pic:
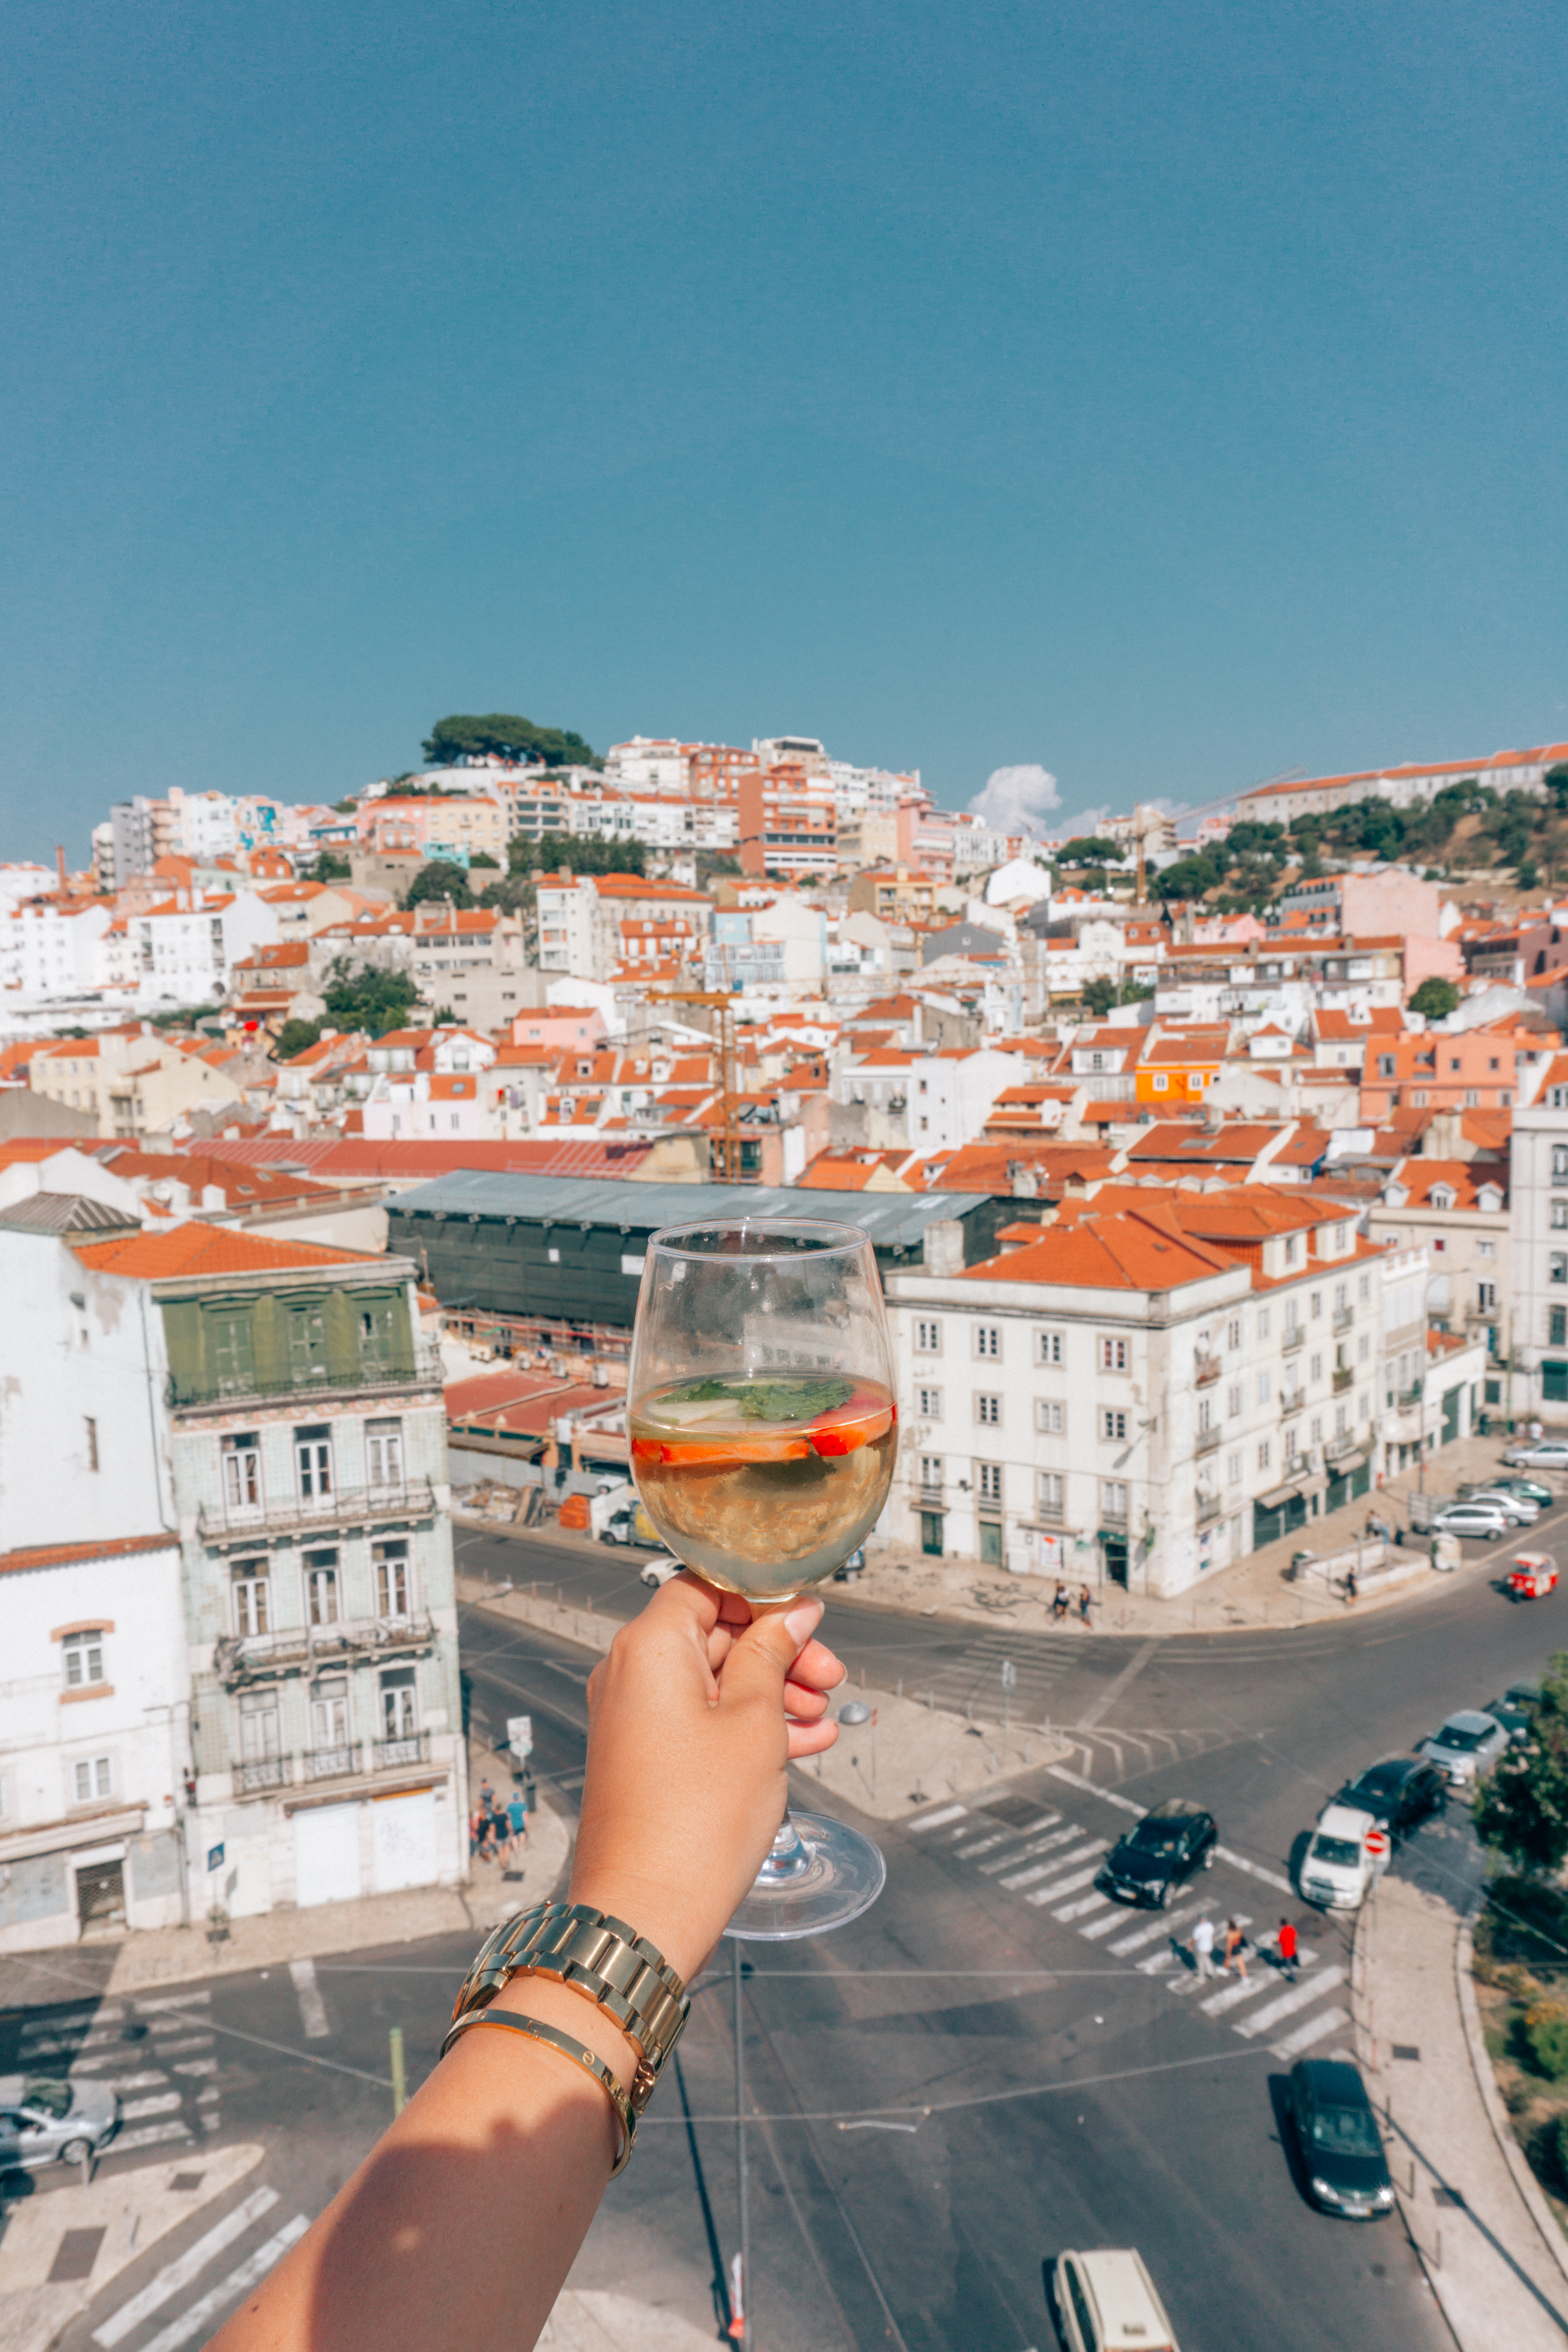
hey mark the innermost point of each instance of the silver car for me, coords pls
(1466, 1746)
(1546, 1454)
(43, 2119)
(1518, 1506)
(1484, 1520)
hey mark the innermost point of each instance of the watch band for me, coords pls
(537, 2031)
(599, 1956)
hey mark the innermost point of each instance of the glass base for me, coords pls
(818, 1875)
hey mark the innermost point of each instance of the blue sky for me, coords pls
(1168, 394)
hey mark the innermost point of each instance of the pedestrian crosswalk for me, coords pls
(154, 2052)
(197, 2317)
(1051, 1863)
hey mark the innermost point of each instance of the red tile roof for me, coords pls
(190, 1250)
(63, 1555)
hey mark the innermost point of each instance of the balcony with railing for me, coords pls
(1295, 1337)
(1207, 1372)
(1208, 1508)
(261, 1773)
(333, 1763)
(343, 1759)
(300, 1514)
(1344, 1374)
(413, 1747)
(239, 1658)
(1338, 1447)
(1292, 1401)
(369, 1374)
(1343, 1317)
(1412, 1395)
(1208, 1439)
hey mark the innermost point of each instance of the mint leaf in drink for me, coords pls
(701, 1392)
(776, 1400)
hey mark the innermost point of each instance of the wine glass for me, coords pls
(763, 1431)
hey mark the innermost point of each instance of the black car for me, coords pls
(1515, 1710)
(1151, 1861)
(1342, 2147)
(1401, 1793)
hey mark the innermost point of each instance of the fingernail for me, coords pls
(803, 1621)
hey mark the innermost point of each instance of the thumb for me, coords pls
(759, 1665)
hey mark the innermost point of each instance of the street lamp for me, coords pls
(855, 1712)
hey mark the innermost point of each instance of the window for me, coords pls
(322, 1588)
(1265, 1388)
(1263, 1453)
(229, 1348)
(1560, 1163)
(329, 1716)
(1113, 1499)
(1114, 1427)
(241, 1465)
(1486, 1249)
(92, 1777)
(1559, 1216)
(1472, 1097)
(307, 1344)
(399, 1705)
(89, 1433)
(249, 1583)
(1160, 1084)
(989, 1479)
(987, 1339)
(1263, 1322)
(1292, 1248)
(81, 1660)
(313, 1461)
(1557, 1327)
(1113, 1355)
(1386, 1066)
(1233, 1469)
(1439, 1244)
(384, 1454)
(1364, 1348)
(931, 1469)
(928, 1338)
(1315, 1369)
(1557, 1267)
(988, 1412)
(1206, 1414)
(378, 1323)
(929, 1403)
(1233, 1332)
(1364, 1290)
(1342, 1420)
(1047, 1347)
(1050, 1493)
(1050, 1418)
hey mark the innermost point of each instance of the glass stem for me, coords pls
(785, 1859)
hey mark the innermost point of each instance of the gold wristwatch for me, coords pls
(599, 1956)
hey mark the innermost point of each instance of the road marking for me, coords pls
(312, 2007)
(196, 2066)
(987, 1844)
(1307, 1992)
(124, 2083)
(1036, 1845)
(1098, 1928)
(1108, 1796)
(181, 2271)
(162, 2105)
(935, 1821)
(1085, 1904)
(238, 2281)
(1233, 1996)
(1254, 1870)
(1058, 1861)
(1317, 2029)
(1117, 1684)
(153, 2004)
(1062, 1886)
(1163, 1924)
(146, 2136)
(178, 2048)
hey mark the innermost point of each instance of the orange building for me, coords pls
(1429, 1069)
(1180, 1066)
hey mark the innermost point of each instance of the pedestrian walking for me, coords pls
(1203, 1947)
(517, 1814)
(1235, 1951)
(501, 1829)
(1061, 1604)
(1083, 1606)
(1285, 1944)
(1352, 1588)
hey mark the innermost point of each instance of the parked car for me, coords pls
(659, 1569)
(851, 1570)
(1104, 2301)
(1337, 1870)
(1150, 1862)
(1468, 1743)
(1513, 1710)
(1546, 1454)
(1337, 2133)
(1399, 1791)
(1530, 1490)
(1486, 1522)
(1519, 1507)
(43, 2120)
(624, 1521)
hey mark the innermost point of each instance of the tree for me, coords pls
(1084, 850)
(1522, 1809)
(579, 853)
(438, 879)
(1189, 878)
(294, 1037)
(502, 735)
(1556, 781)
(483, 857)
(368, 998)
(1099, 995)
(1435, 998)
(330, 867)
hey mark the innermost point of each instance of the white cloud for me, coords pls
(1015, 800)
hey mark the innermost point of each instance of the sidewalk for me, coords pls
(91, 2234)
(1491, 2247)
(1252, 1592)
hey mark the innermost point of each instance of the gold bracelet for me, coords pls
(599, 1956)
(554, 2039)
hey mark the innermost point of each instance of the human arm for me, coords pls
(687, 1744)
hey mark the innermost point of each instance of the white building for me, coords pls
(206, 823)
(53, 949)
(94, 1738)
(929, 1102)
(1538, 1251)
(650, 764)
(185, 948)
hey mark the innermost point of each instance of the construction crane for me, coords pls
(725, 1147)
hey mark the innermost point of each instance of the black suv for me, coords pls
(1342, 2147)
(1400, 1792)
(1150, 1862)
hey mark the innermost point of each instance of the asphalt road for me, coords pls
(963, 2083)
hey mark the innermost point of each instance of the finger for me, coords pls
(804, 1705)
(721, 1642)
(811, 1739)
(764, 1653)
(816, 1665)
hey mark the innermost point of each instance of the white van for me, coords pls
(1338, 1870)
(1104, 2301)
